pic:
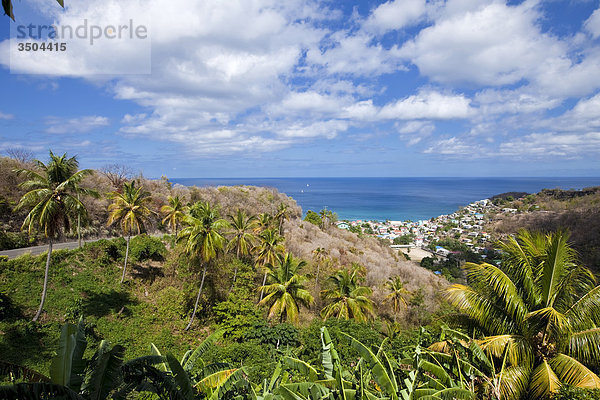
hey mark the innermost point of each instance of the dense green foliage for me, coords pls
(149, 309)
(152, 309)
(572, 393)
(405, 239)
(144, 248)
(313, 218)
(12, 240)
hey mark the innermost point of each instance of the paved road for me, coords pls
(36, 250)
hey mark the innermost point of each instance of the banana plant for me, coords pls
(464, 357)
(328, 381)
(104, 376)
(438, 375)
(319, 383)
(192, 375)
(68, 366)
(379, 366)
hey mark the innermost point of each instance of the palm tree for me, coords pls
(264, 221)
(268, 252)
(328, 217)
(286, 290)
(52, 195)
(320, 254)
(283, 214)
(324, 218)
(539, 312)
(347, 299)
(397, 294)
(203, 240)
(174, 213)
(129, 210)
(242, 240)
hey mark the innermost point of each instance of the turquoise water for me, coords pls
(394, 198)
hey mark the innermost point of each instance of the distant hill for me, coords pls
(509, 195)
(577, 211)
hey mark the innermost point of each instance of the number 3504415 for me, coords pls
(44, 46)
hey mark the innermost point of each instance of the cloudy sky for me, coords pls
(268, 88)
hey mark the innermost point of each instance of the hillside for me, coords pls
(381, 262)
(157, 298)
(577, 211)
(253, 200)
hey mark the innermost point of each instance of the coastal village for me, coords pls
(466, 226)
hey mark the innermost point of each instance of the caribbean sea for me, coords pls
(396, 199)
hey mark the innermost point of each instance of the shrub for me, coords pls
(75, 310)
(313, 218)
(144, 247)
(405, 239)
(355, 229)
(280, 335)
(12, 240)
(7, 308)
(236, 316)
(428, 263)
(171, 303)
(259, 357)
(423, 336)
(572, 393)
(104, 251)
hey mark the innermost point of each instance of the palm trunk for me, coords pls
(39, 311)
(78, 225)
(317, 277)
(79, 231)
(126, 256)
(234, 278)
(189, 325)
(262, 291)
(237, 253)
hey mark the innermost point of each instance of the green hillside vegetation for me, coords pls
(227, 293)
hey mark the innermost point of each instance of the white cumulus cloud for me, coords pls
(592, 24)
(567, 145)
(428, 104)
(395, 14)
(75, 125)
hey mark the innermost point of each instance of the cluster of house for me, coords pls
(465, 225)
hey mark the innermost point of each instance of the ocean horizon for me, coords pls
(396, 199)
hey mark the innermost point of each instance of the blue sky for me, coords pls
(265, 88)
